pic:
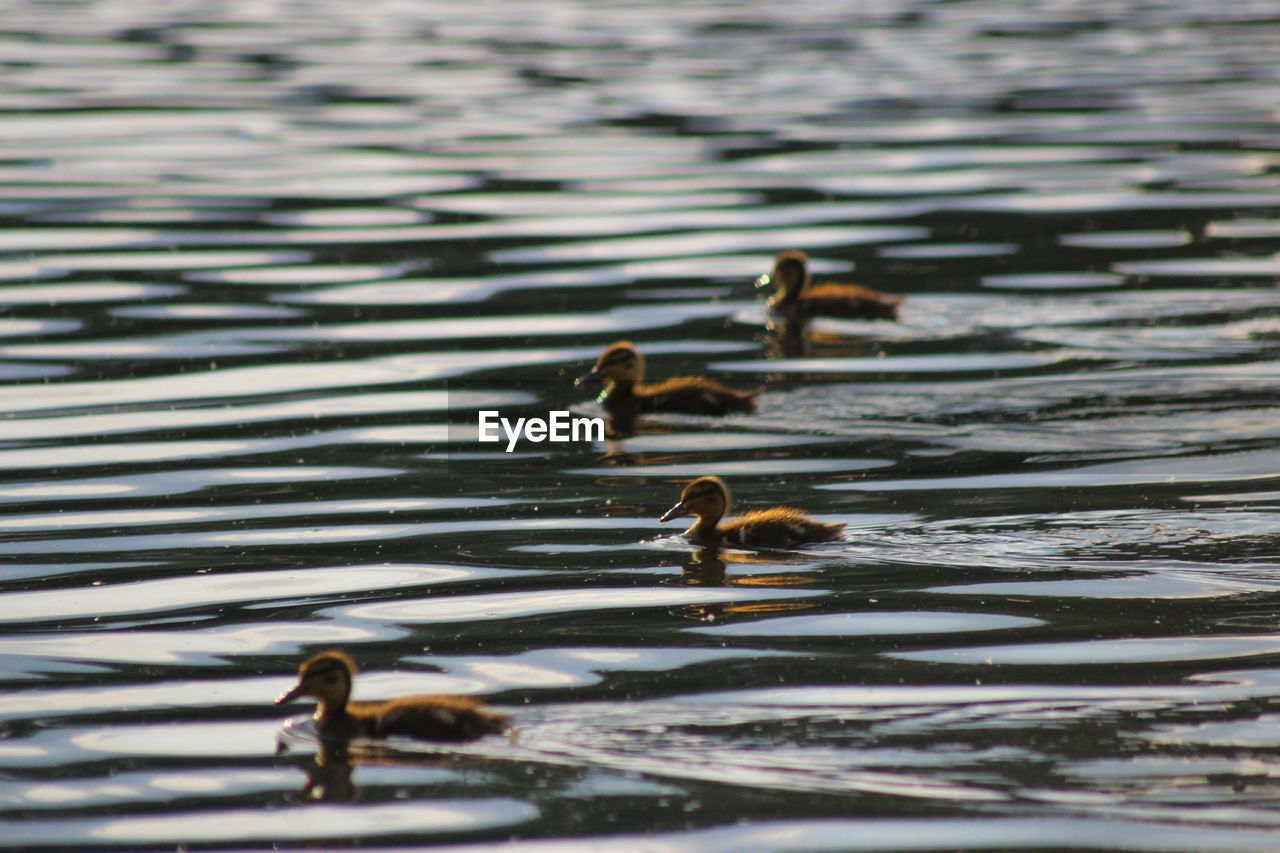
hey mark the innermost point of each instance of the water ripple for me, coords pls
(263, 268)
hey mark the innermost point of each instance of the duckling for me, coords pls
(797, 299)
(779, 527)
(626, 394)
(327, 676)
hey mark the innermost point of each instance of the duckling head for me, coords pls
(706, 497)
(327, 677)
(790, 275)
(620, 364)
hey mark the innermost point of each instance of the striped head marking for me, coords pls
(791, 272)
(621, 363)
(705, 497)
(326, 676)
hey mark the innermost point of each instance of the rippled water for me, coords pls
(263, 264)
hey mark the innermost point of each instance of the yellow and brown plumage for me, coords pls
(778, 527)
(626, 394)
(796, 298)
(328, 676)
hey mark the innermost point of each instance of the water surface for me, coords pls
(262, 267)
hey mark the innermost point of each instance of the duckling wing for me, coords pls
(695, 395)
(443, 718)
(852, 300)
(779, 527)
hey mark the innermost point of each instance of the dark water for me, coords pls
(264, 263)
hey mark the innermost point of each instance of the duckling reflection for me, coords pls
(704, 568)
(716, 612)
(329, 776)
(795, 339)
(710, 567)
(785, 339)
(328, 677)
(797, 298)
(626, 394)
(778, 527)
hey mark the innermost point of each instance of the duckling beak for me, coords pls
(591, 377)
(290, 695)
(764, 280)
(675, 512)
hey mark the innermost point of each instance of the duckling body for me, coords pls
(621, 368)
(692, 395)
(778, 527)
(798, 299)
(328, 676)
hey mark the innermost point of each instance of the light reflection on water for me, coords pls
(262, 270)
